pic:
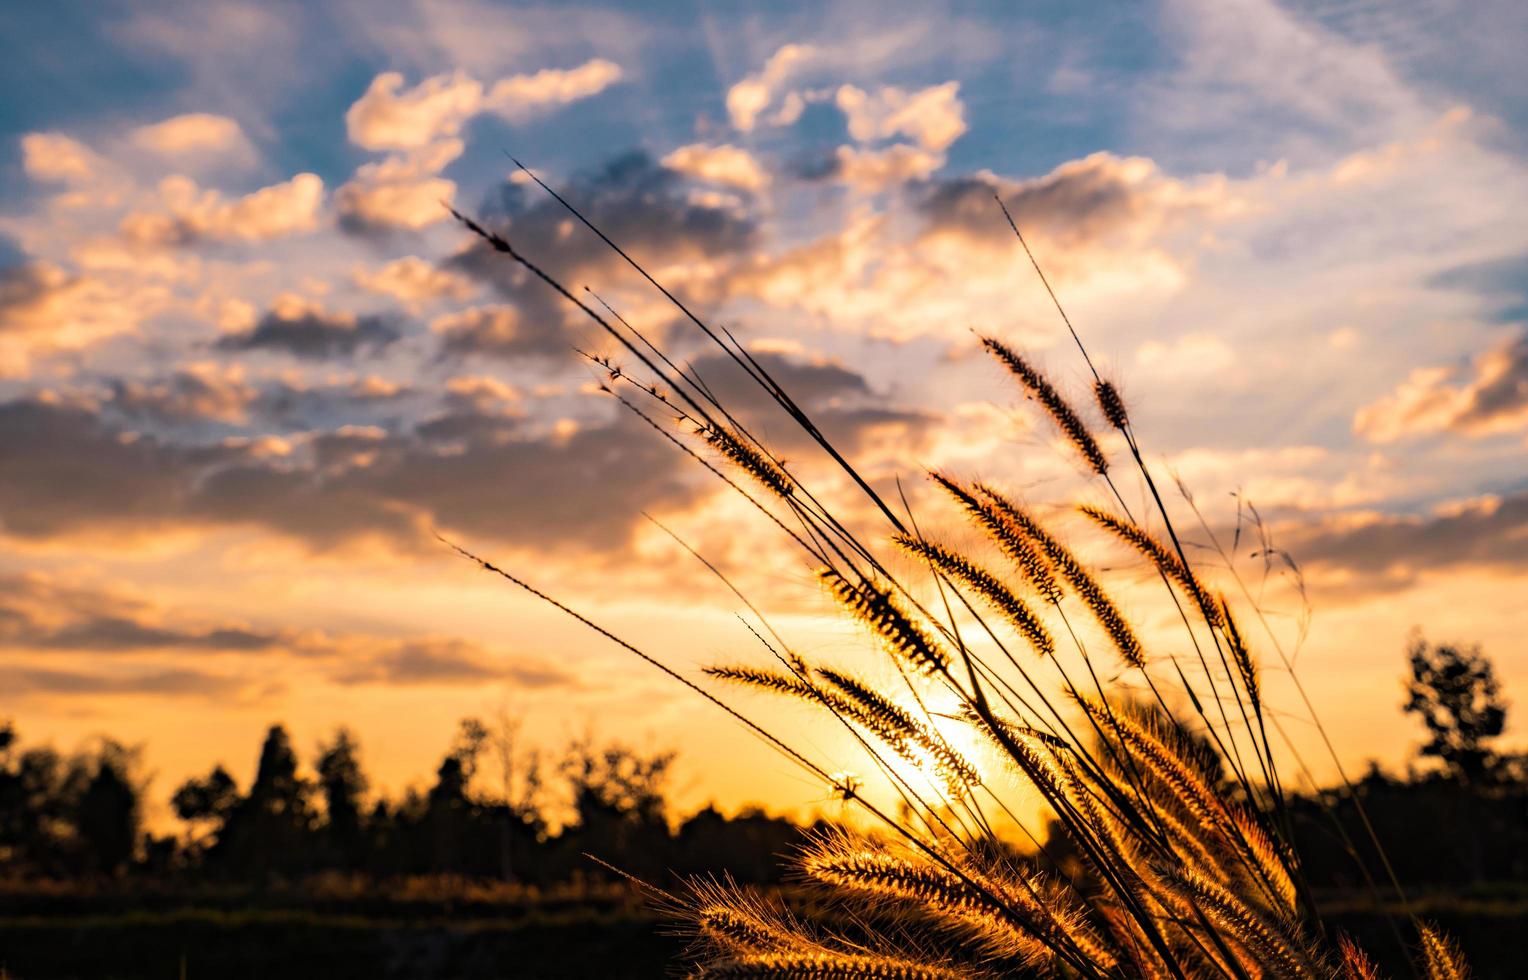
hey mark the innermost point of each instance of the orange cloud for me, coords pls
(725, 164)
(390, 117)
(1491, 400)
(413, 282)
(58, 158)
(934, 117)
(193, 133)
(191, 213)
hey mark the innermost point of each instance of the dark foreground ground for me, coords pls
(59, 936)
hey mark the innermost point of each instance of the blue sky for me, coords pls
(247, 361)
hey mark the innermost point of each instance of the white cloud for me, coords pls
(873, 171)
(521, 97)
(413, 282)
(750, 97)
(287, 208)
(934, 117)
(1492, 399)
(46, 310)
(390, 117)
(58, 158)
(194, 134)
(723, 164)
(402, 190)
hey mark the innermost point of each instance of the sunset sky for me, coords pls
(248, 363)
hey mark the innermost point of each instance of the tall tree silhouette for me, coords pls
(107, 814)
(1454, 690)
(343, 784)
(272, 828)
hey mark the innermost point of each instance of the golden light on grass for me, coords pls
(1156, 766)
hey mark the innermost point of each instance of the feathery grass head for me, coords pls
(1166, 561)
(1008, 538)
(1070, 570)
(1004, 918)
(1111, 404)
(1062, 413)
(769, 680)
(1240, 655)
(904, 734)
(874, 606)
(1189, 881)
(768, 473)
(985, 584)
(1440, 956)
(824, 966)
(725, 919)
(1356, 964)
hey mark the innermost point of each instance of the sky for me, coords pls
(249, 365)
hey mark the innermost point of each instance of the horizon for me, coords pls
(248, 364)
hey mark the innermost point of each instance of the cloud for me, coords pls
(839, 400)
(57, 158)
(522, 97)
(192, 214)
(725, 164)
(400, 191)
(193, 392)
(873, 171)
(303, 330)
(194, 134)
(46, 310)
(1107, 226)
(1484, 531)
(390, 117)
(498, 331)
(474, 471)
(1078, 202)
(645, 207)
(933, 117)
(437, 660)
(1491, 398)
(754, 93)
(41, 612)
(414, 282)
(170, 683)
(48, 616)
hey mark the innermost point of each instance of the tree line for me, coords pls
(496, 811)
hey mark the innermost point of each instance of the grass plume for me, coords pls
(1185, 875)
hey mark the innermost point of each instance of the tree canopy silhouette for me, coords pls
(1455, 692)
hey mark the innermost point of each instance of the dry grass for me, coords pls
(1183, 873)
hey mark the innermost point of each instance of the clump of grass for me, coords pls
(1183, 873)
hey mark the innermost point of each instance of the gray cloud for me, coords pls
(643, 207)
(43, 616)
(447, 661)
(1085, 200)
(39, 680)
(1492, 397)
(838, 399)
(476, 473)
(39, 613)
(186, 395)
(1491, 532)
(313, 334)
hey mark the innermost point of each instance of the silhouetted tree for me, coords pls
(1455, 692)
(107, 813)
(271, 829)
(343, 784)
(618, 796)
(207, 800)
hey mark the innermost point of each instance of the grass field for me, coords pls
(62, 937)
